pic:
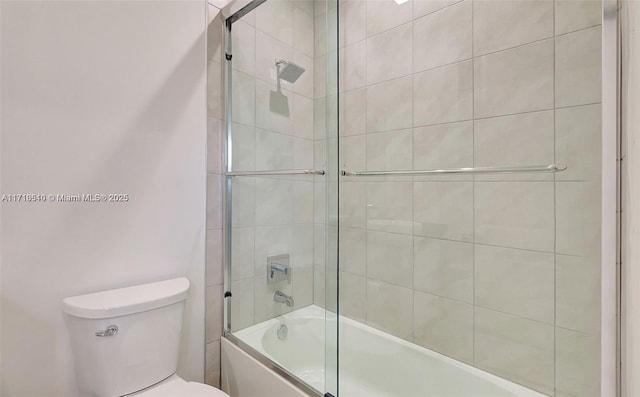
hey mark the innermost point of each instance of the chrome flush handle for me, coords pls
(109, 331)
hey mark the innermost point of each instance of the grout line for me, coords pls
(472, 119)
(412, 193)
(366, 165)
(555, 235)
(577, 30)
(255, 152)
(473, 199)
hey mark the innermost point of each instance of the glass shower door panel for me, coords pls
(470, 203)
(280, 266)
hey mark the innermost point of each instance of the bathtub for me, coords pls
(372, 363)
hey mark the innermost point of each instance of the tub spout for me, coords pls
(281, 297)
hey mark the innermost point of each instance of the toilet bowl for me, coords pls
(126, 341)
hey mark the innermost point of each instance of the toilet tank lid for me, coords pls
(129, 300)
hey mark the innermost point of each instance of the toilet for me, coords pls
(126, 341)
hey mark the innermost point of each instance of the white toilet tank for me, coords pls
(126, 339)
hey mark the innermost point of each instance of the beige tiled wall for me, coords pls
(501, 272)
(498, 271)
(214, 268)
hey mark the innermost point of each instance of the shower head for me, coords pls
(288, 71)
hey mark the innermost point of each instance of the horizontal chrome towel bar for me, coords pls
(275, 172)
(474, 170)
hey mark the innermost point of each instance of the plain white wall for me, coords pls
(631, 197)
(98, 97)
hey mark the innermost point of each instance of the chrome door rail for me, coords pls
(471, 170)
(275, 172)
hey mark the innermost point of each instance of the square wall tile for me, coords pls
(444, 268)
(214, 258)
(517, 215)
(320, 76)
(319, 244)
(244, 47)
(443, 37)
(320, 118)
(443, 95)
(242, 251)
(579, 68)
(242, 304)
(444, 325)
(389, 151)
(579, 142)
(243, 202)
(276, 19)
(303, 202)
(389, 54)
(386, 14)
(443, 210)
(578, 293)
(390, 258)
(443, 146)
(353, 204)
(353, 21)
(273, 150)
(501, 24)
(215, 103)
(214, 145)
(244, 147)
(353, 250)
(578, 218)
(390, 308)
(519, 140)
(353, 296)
(243, 98)
(572, 15)
(353, 112)
(353, 152)
(214, 201)
(319, 286)
(302, 287)
(274, 202)
(302, 241)
(353, 66)
(213, 313)
(320, 203)
(302, 153)
(303, 117)
(389, 105)
(390, 207)
(517, 80)
(303, 31)
(515, 348)
(515, 281)
(577, 364)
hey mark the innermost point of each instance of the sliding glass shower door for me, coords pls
(414, 195)
(470, 202)
(281, 188)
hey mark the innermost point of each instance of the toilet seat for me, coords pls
(175, 386)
